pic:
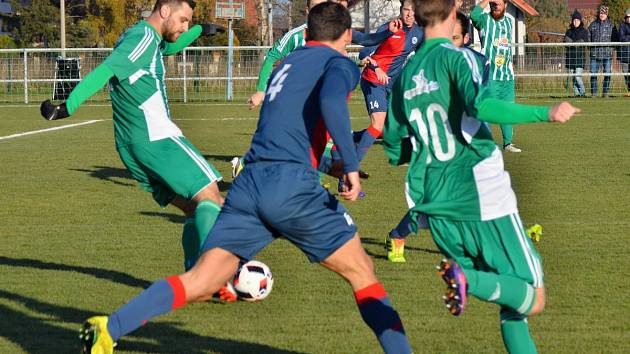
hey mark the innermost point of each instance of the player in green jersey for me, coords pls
(456, 181)
(496, 33)
(150, 145)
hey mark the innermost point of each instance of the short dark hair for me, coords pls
(431, 12)
(463, 21)
(403, 2)
(328, 21)
(160, 3)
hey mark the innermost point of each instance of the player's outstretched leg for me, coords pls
(209, 274)
(515, 332)
(505, 290)
(351, 262)
(395, 241)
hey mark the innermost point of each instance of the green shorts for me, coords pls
(168, 167)
(502, 90)
(498, 246)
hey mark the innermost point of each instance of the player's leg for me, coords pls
(509, 277)
(506, 93)
(353, 264)
(395, 240)
(214, 269)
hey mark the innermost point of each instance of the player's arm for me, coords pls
(479, 103)
(127, 59)
(186, 38)
(280, 49)
(477, 14)
(396, 137)
(381, 34)
(340, 79)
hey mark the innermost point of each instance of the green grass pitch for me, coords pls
(78, 237)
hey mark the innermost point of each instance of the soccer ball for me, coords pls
(253, 282)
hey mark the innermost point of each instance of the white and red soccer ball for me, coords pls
(253, 281)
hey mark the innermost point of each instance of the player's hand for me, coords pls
(52, 111)
(367, 61)
(352, 186)
(562, 112)
(395, 25)
(256, 99)
(210, 29)
(381, 76)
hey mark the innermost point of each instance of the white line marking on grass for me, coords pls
(49, 129)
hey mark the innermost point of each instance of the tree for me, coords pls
(38, 24)
(7, 42)
(616, 9)
(553, 17)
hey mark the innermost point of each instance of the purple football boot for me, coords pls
(453, 276)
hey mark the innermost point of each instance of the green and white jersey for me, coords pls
(281, 48)
(455, 168)
(496, 38)
(139, 99)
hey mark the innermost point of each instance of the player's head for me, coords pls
(406, 12)
(497, 9)
(331, 23)
(430, 13)
(460, 32)
(173, 16)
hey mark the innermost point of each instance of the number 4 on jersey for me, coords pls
(276, 84)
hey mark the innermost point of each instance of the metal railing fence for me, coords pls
(200, 74)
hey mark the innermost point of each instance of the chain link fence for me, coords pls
(200, 74)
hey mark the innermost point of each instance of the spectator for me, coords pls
(575, 55)
(601, 30)
(624, 51)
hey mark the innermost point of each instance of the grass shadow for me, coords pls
(36, 331)
(112, 275)
(108, 174)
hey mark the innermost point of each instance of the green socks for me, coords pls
(190, 243)
(515, 332)
(504, 290)
(196, 229)
(507, 132)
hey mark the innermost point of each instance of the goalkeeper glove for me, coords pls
(52, 111)
(210, 29)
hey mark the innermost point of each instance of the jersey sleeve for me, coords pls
(134, 51)
(477, 17)
(184, 40)
(90, 85)
(280, 49)
(339, 80)
(396, 141)
(371, 39)
(469, 69)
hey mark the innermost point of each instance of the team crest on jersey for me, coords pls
(422, 86)
(414, 40)
(499, 60)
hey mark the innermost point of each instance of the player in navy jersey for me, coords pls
(385, 63)
(278, 194)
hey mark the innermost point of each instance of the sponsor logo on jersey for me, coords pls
(397, 37)
(422, 86)
(501, 43)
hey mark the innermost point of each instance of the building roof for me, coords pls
(525, 7)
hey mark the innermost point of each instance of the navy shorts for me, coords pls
(271, 200)
(376, 96)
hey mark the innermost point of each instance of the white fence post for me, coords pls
(25, 76)
(185, 75)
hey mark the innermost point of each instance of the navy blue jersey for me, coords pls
(305, 105)
(392, 53)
